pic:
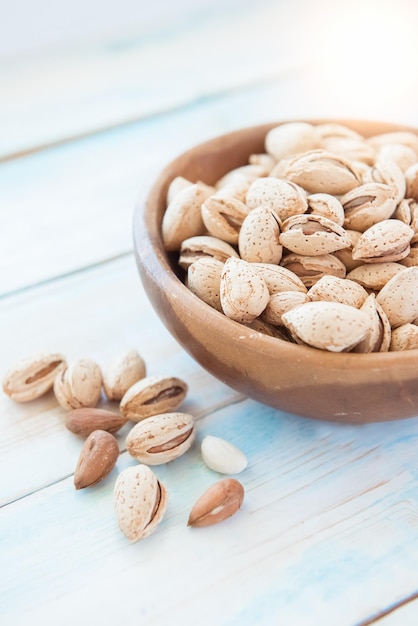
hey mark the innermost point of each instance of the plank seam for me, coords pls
(215, 94)
(211, 411)
(374, 619)
(74, 272)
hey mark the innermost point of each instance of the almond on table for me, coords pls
(222, 500)
(85, 420)
(32, 376)
(97, 459)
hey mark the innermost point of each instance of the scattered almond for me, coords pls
(140, 501)
(97, 459)
(161, 438)
(88, 419)
(78, 385)
(121, 373)
(32, 376)
(222, 456)
(153, 395)
(217, 503)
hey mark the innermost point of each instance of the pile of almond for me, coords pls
(314, 241)
(159, 434)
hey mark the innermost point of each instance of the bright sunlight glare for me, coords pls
(368, 56)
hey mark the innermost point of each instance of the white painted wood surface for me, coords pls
(328, 531)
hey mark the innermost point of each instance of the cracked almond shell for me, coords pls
(140, 502)
(153, 395)
(161, 438)
(32, 376)
(313, 235)
(320, 171)
(78, 385)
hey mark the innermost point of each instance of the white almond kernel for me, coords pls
(222, 456)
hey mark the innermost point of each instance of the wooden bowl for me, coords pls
(344, 387)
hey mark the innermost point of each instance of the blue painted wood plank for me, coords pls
(80, 196)
(93, 85)
(327, 533)
(98, 313)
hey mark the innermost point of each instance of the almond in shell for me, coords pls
(153, 395)
(387, 241)
(399, 297)
(329, 326)
(244, 293)
(140, 502)
(121, 373)
(404, 337)
(161, 438)
(32, 376)
(78, 385)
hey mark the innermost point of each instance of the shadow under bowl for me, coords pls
(344, 387)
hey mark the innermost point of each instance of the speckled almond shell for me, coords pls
(327, 325)
(204, 280)
(367, 205)
(152, 395)
(79, 385)
(122, 372)
(404, 337)
(319, 171)
(399, 297)
(223, 215)
(374, 275)
(258, 240)
(343, 387)
(244, 293)
(278, 278)
(204, 246)
(386, 241)
(313, 235)
(183, 217)
(282, 196)
(32, 376)
(140, 502)
(334, 289)
(161, 438)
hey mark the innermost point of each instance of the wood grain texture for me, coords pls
(47, 24)
(327, 534)
(72, 206)
(99, 314)
(118, 78)
(403, 614)
(153, 68)
(324, 505)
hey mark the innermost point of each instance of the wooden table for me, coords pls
(328, 532)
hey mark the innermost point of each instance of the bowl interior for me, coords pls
(298, 379)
